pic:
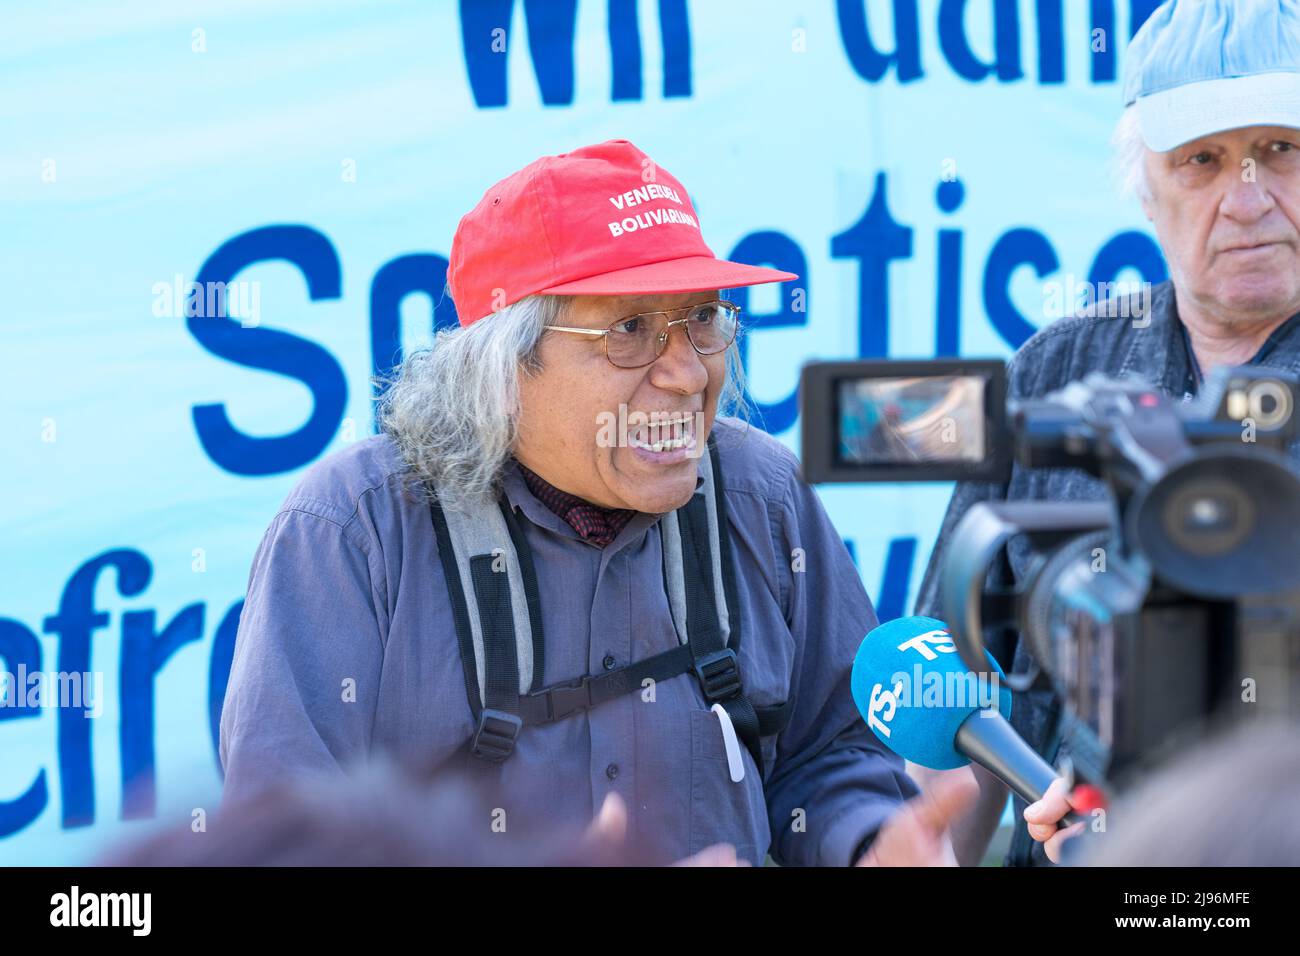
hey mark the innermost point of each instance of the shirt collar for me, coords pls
(1164, 345)
(521, 499)
(593, 522)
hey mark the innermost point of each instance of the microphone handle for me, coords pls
(994, 744)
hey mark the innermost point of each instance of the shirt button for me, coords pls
(609, 662)
(611, 771)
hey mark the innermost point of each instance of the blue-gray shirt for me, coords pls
(347, 591)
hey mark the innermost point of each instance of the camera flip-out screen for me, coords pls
(940, 420)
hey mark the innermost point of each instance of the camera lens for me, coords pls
(1223, 523)
(1270, 404)
(1209, 516)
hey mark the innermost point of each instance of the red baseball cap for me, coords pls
(601, 220)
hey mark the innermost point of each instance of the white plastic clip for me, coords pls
(735, 764)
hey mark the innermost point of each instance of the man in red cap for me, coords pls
(563, 565)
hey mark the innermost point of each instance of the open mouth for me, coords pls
(664, 433)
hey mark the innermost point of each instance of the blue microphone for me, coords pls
(921, 701)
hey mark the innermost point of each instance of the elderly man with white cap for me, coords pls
(1209, 142)
(560, 567)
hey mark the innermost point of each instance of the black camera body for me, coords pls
(1169, 606)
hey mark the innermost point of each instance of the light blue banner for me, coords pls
(937, 173)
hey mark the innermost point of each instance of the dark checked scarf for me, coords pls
(595, 524)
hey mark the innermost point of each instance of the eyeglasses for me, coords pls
(638, 340)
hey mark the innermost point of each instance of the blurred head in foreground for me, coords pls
(1232, 802)
(386, 816)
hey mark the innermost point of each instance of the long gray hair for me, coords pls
(1128, 160)
(453, 408)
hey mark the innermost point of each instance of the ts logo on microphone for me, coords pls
(883, 704)
(926, 644)
(886, 701)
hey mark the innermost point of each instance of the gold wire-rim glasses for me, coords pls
(661, 341)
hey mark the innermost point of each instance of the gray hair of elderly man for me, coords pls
(453, 408)
(1129, 157)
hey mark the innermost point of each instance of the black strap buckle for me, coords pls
(566, 699)
(719, 674)
(496, 735)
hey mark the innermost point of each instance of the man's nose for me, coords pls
(678, 367)
(1248, 199)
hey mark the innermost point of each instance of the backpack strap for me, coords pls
(700, 577)
(772, 719)
(715, 664)
(496, 634)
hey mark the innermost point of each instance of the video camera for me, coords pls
(1172, 601)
